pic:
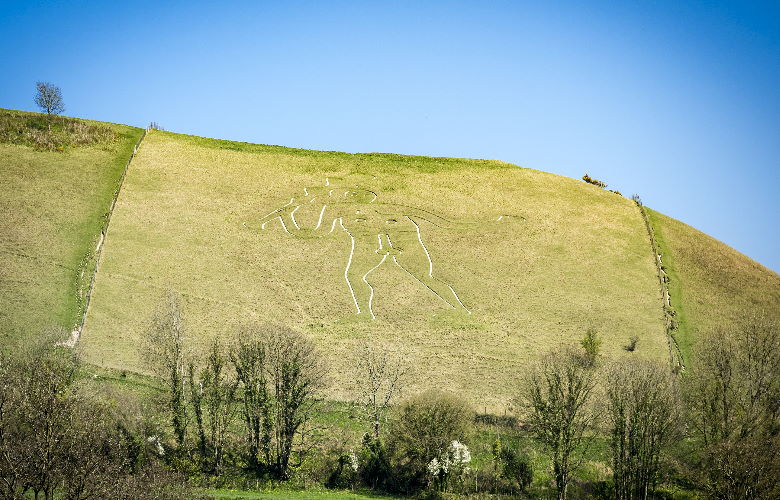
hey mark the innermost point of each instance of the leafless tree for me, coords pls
(48, 97)
(734, 403)
(557, 402)
(164, 349)
(379, 375)
(281, 376)
(644, 416)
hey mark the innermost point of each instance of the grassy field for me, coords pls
(571, 256)
(52, 208)
(711, 284)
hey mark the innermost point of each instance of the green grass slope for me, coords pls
(52, 208)
(711, 284)
(565, 256)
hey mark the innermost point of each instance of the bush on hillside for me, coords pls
(513, 466)
(595, 182)
(424, 428)
(591, 343)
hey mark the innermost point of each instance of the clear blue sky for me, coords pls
(676, 101)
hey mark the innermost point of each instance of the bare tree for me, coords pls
(281, 375)
(248, 356)
(164, 347)
(557, 400)
(379, 376)
(213, 396)
(734, 403)
(48, 97)
(644, 413)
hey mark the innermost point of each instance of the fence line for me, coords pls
(76, 333)
(675, 354)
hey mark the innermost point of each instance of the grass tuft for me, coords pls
(51, 132)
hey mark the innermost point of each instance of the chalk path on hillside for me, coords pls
(376, 231)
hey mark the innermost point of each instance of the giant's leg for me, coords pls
(363, 260)
(415, 259)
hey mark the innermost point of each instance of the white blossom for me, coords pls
(158, 447)
(353, 460)
(460, 454)
(434, 467)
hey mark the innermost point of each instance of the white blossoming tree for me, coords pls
(451, 463)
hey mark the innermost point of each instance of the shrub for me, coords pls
(592, 345)
(595, 182)
(374, 465)
(452, 463)
(513, 466)
(423, 428)
(632, 343)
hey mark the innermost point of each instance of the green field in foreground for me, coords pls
(52, 209)
(472, 268)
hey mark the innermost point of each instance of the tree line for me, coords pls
(251, 408)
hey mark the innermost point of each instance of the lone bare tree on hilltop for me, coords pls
(49, 98)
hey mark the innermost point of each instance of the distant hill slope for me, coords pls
(563, 257)
(52, 208)
(711, 284)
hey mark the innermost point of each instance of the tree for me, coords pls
(423, 428)
(281, 375)
(734, 404)
(58, 441)
(379, 377)
(165, 353)
(591, 343)
(557, 401)
(213, 396)
(48, 97)
(644, 411)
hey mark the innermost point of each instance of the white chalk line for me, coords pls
(319, 221)
(292, 216)
(419, 238)
(284, 226)
(349, 263)
(422, 282)
(430, 267)
(371, 297)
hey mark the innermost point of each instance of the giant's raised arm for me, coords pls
(418, 214)
(284, 214)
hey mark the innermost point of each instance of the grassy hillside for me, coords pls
(469, 268)
(563, 257)
(711, 284)
(52, 208)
